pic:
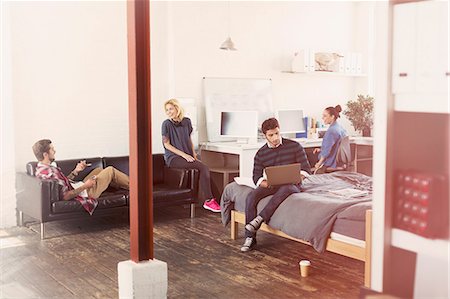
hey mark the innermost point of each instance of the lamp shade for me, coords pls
(228, 45)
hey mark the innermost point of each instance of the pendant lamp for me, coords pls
(228, 43)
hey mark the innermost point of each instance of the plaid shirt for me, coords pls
(54, 173)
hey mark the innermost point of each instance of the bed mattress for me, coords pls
(314, 213)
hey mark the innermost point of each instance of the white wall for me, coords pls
(7, 170)
(266, 35)
(381, 88)
(69, 63)
(64, 77)
(160, 56)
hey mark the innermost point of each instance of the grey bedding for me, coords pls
(308, 215)
(350, 228)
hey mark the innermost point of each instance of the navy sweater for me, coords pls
(289, 152)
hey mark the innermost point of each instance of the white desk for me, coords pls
(245, 153)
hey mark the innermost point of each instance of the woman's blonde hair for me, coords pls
(176, 104)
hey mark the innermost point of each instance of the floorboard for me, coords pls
(79, 260)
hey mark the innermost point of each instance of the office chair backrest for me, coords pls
(344, 154)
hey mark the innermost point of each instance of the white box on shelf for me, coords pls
(300, 62)
(359, 63)
(312, 60)
(327, 61)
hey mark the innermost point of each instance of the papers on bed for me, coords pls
(349, 192)
(245, 181)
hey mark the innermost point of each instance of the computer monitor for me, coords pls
(291, 121)
(242, 125)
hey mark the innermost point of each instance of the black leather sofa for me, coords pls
(41, 199)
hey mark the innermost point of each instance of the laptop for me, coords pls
(283, 174)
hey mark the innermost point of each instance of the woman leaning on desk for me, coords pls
(179, 149)
(331, 139)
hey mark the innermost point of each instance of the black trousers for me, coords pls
(254, 197)
(205, 177)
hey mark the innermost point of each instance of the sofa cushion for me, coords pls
(107, 200)
(158, 167)
(163, 192)
(121, 163)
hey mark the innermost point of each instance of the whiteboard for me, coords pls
(235, 94)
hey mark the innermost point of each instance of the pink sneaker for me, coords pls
(212, 205)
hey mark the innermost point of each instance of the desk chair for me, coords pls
(343, 157)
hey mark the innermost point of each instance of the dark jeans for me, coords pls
(279, 195)
(205, 178)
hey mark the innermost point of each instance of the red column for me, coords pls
(141, 199)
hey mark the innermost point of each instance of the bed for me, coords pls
(326, 214)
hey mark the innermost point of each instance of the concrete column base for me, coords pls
(146, 279)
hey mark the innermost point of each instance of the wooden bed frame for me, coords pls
(349, 250)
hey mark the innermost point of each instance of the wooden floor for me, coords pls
(80, 261)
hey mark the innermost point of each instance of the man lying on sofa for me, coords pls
(85, 192)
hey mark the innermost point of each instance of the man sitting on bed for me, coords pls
(277, 151)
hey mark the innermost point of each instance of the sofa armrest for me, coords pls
(176, 177)
(35, 196)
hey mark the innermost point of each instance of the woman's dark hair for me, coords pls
(41, 147)
(269, 124)
(335, 111)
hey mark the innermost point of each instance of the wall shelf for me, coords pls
(321, 73)
(415, 243)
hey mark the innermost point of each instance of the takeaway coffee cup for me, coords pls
(304, 267)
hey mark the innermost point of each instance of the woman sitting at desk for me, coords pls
(331, 139)
(179, 149)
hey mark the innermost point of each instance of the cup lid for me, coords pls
(305, 263)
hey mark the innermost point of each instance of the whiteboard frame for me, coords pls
(235, 94)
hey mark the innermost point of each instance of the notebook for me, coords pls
(283, 174)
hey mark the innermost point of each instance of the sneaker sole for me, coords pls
(247, 249)
(210, 209)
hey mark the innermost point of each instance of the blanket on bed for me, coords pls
(308, 215)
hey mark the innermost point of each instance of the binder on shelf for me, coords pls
(300, 61)
(341, 67)
(305, 134)
(348, 62)
(353, 63)
(359, 63)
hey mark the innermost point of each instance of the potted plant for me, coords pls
(360, 114)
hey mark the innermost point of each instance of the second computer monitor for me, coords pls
(291, 121)
(239, 124)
